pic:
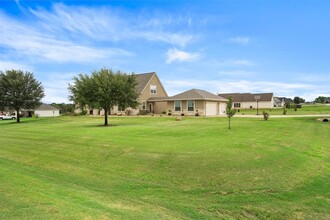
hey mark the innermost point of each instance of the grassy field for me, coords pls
(305, 110)
(159, 168)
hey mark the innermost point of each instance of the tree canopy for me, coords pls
(19, 90)
(320, 99)
(64, 107)
(104, 89)
(298, 100)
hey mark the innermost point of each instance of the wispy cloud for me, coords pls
(109, 24)
(79, 34)
(175, 55)
(57, 92)
(9, 65)
(236, 73)
(240, 40)
(223, 86)
(235, 62)
(31, 42)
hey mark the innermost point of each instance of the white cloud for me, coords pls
(57, 92)
(236, 73)
(29, 42)
(105, 23)
(8, 65)
(80, 34)
(223, 86)
(240, 40)
(236, 63)
(180, 56)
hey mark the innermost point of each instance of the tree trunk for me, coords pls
(105, 117)
(229, 122)
(17, 116)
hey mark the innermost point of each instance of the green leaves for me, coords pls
(229, 111)
(19, 90)
(104, 89)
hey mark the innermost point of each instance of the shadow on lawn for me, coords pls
(110, 125)
(22, 122)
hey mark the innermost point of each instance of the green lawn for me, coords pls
(159, 168)
(305, 110)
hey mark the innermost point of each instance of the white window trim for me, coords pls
(180, 106)
(154, 89)
(237, 103)
(194, 105)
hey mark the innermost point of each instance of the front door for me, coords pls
(150, 108)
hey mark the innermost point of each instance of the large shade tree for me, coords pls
(104, 89)
(19, 90)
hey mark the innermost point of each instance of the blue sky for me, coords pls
(222, 46)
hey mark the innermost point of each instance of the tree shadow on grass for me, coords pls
(13, 122)
(109, 125)
(100, 125)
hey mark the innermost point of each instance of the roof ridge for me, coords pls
(145, 73)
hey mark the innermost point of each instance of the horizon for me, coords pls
(220, 46)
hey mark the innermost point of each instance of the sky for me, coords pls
(221, 46)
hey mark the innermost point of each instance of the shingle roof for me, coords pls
(43, 107)
(47, 107)
(196, 94)
(285, 99)
(142, 81)
(248, 97)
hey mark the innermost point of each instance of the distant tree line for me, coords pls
(322, 99)
(64, 108)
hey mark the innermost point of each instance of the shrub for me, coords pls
(164, 113)
(143, 112)
(284, 111)
(266, 115)
(128, 112)
(169, 112)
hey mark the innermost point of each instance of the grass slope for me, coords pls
(159, 168)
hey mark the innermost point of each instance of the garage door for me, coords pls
(211, 108)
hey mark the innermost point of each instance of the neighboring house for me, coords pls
(193, 101)
(281, 101)
(327, 100)
(148, 86)
(250, 101)
(44, 110)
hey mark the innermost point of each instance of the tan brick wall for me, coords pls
(145, 95)
(160, 107)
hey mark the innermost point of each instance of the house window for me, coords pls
(143, 105)
(153, 89)
(121, 109)
(191, 105)
(177, 106)
(237, 105)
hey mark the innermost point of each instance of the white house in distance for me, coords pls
(251, 101)
(44, 110)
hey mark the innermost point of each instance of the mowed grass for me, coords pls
(317, 109)
(159, 168)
